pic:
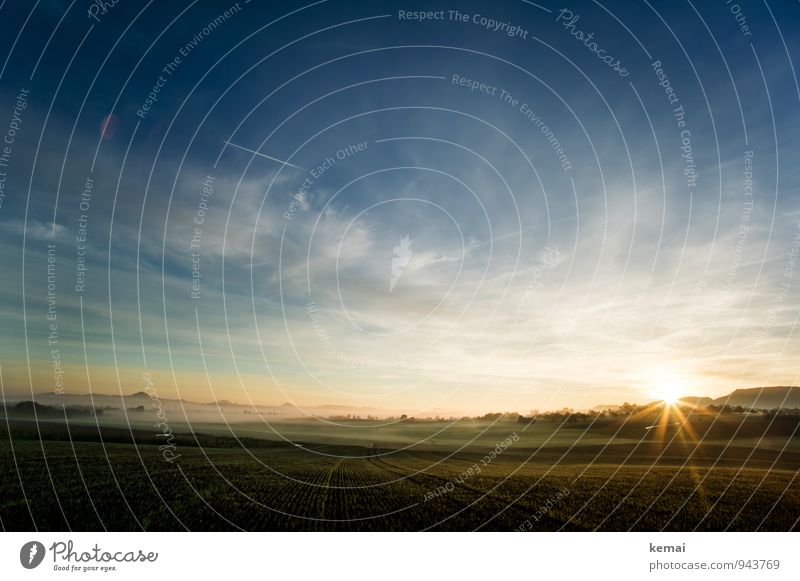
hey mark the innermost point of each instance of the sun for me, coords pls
(670, 390)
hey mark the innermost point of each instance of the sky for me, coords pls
(499, 206)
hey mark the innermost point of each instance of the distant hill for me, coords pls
(765, 398)
(99, 400)
(697, 401)
(31, 409)
(181, 409)
(141, 401)
(762, 397)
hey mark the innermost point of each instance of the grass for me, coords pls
(551, 478)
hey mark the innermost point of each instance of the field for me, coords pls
(734, 475)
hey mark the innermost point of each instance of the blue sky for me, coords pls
(560, 255)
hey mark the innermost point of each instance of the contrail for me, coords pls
(264, 155)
